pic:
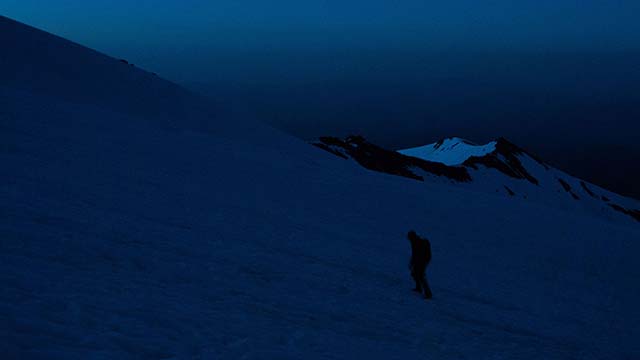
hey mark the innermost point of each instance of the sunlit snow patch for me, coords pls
(450, 151)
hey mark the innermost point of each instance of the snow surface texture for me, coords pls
(450, 151)
(121, 238)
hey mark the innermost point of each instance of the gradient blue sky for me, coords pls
(181, 39)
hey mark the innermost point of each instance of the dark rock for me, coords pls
(633, 213)
(509, 191)
(565, 185)
(328, 148)
(505, 159)
(567, 188)
(584, 186)
(379, 159)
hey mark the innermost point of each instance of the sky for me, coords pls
(183, 38)
(556, 76)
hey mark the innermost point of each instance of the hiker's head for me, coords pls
(412, 236)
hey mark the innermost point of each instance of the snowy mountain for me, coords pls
(135, 223)
(450, 151)
(521, 174)
(497, 167)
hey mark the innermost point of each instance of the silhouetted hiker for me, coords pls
(420, 258)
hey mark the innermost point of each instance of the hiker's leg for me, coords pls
(418, 287)
(427, 289)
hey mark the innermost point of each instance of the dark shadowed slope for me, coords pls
(35, 62)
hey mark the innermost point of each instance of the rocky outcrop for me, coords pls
(567, 188)
(505, 159)
(376, 158)
(633, 213)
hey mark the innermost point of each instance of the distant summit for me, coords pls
(450, 151)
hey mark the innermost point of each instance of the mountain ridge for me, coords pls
(472, 163)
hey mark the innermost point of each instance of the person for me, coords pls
(420, 258)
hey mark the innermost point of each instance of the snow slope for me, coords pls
(450, 151)
(37, 63)
(122, 237)
(502, 167)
